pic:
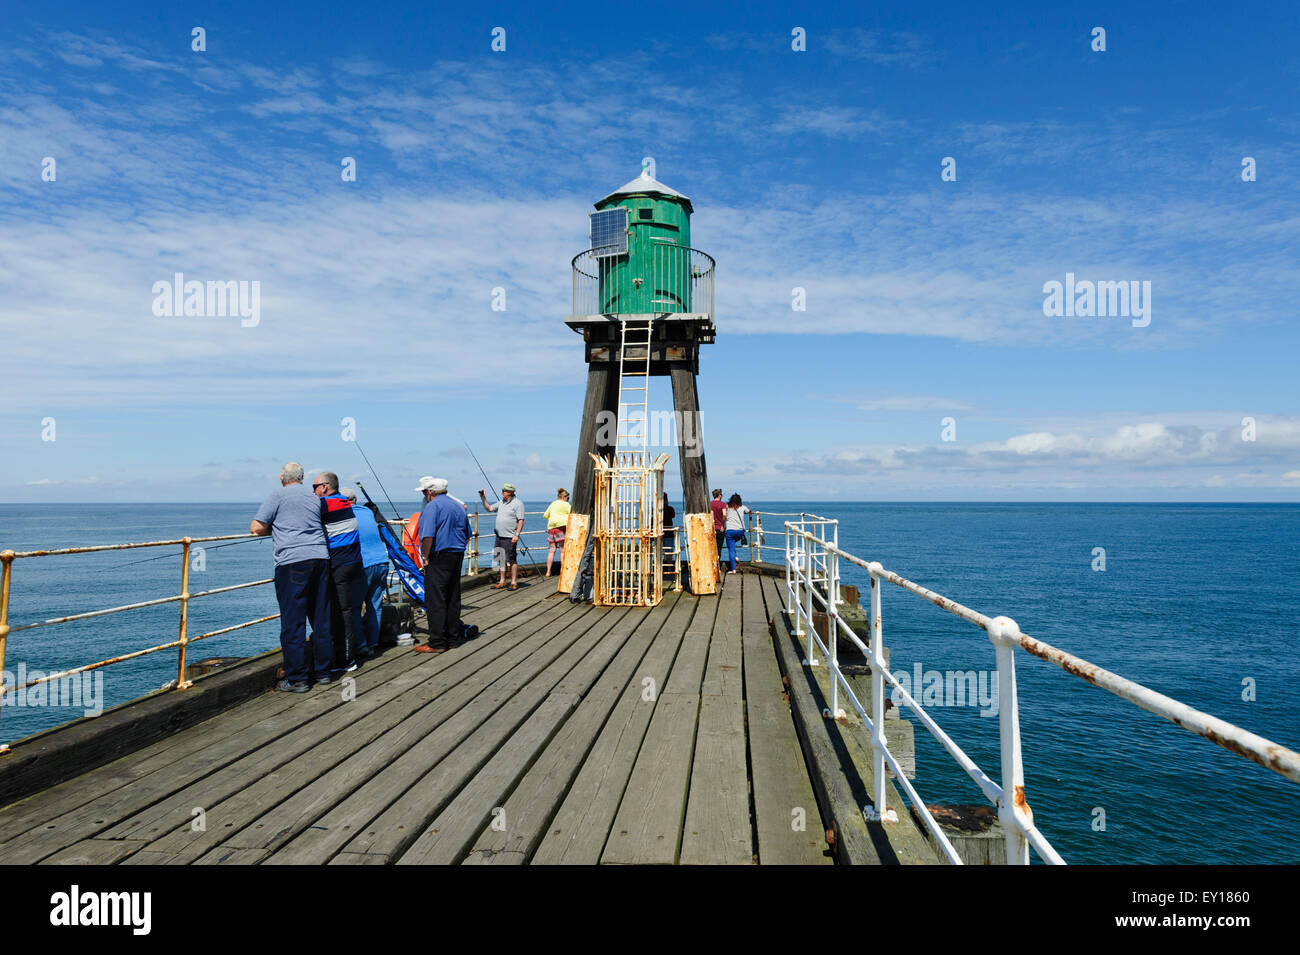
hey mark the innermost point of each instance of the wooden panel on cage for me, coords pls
(575, 539)
(703, 548)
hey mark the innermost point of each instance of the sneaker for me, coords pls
(324, 680)
(470, 632)
(430, 648)
(284, 686)
(350, 667)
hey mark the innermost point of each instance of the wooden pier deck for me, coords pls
(565, 733)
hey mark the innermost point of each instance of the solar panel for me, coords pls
(609, 232)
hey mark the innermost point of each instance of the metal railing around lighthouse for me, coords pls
(673, 279)
(812, 580)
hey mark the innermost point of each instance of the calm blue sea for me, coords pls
(1194, 600)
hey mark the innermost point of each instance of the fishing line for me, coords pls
(146, 560)
(396, 512)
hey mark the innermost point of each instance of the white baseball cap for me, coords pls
(428, 483)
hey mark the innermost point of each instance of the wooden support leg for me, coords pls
(690, 438)
(602, 395)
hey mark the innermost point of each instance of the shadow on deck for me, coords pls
(564, 734)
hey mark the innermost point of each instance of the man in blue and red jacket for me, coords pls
(345, 566)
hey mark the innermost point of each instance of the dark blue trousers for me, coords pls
(302, 589)
(442, 596)
(349, 595)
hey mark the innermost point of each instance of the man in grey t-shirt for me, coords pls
(510, 524)
(291, 515)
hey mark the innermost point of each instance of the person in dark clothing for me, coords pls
(444, 532)
(669, 538)
(345, 566)
(289, 515)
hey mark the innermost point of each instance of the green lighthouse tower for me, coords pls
(656, 222)
(643, 303)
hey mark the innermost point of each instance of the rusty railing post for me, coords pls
(473, 560)
(181, 682)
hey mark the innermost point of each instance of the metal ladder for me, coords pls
(633, 387)
(624, 556)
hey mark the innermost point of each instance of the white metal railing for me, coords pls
(812, 573)
(758, 536)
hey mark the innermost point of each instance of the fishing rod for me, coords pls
(396, 512)
(146, 560)
(481, 471)
(522, 545)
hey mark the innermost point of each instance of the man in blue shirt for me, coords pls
(444, 532)
(345, 567)
(374, 564)
(291, 515)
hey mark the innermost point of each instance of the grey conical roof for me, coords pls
(646, 184)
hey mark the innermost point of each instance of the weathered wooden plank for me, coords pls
(829, 772)
(688, 667)
(92, 852)
(46, 807)
(328, 771)
(314, 840)
(575, 539)
(703, 552)
(532, 804)
(449, 836)
(230, 855)
(718, 830)
(20, 817)
(648, 827)
(359, 858)
(578, 832)
(901, 842)
(786, 818)
(724, 673)
(350, 723)
(46, 759)
(393, 832)
(106, 811)
(212, 773)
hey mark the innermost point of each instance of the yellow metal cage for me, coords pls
(628, 523)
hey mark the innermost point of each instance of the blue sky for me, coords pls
(817, 169)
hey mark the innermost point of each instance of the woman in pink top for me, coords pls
(719, 509)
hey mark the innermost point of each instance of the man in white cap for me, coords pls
(510, 524)
(444, 532)
(411, 532)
